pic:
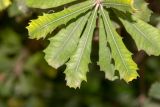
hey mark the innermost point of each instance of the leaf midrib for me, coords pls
(141, 32)
(68, 37)
(116, 4)
(83, 48)
(114, 41)
(46, 25)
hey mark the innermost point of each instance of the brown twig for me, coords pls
(19, 64)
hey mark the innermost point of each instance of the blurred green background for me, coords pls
(26, 80)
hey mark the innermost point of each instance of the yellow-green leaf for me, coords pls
(122, 5)
(105, 57)
(77, 66)
(43, 4)
(63, 45)
(45, 24)
(143, 12)
(122, 57)
(145, 36)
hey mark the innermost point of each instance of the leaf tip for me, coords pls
(132, 77)
(49, 60)
(74, 80)
(73, 83)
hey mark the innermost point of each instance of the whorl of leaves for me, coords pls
(72, 44)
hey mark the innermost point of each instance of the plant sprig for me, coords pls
(72, 44)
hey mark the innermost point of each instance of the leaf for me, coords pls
(150, 103)
(63, 45)
(105, 54)
(122, 5)
(6, 88)
(44, 4)
(145, 36)
(122, 57)
(4, 4)
(77, 67)
(154, 91)
(45, 24)
(143, 12)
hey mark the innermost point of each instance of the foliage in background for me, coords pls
(27, 81)
(4, 4)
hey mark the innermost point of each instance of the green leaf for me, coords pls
(44, 4)
(105, 54)
(150, 103)
(146, 36)
(77, 67)
(122, 57)
(143, 12)
(122, 5)
(63, 45)
(45, 24)
(154, 91)
(4, 4)
(6, 88)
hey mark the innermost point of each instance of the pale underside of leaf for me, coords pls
(77, 67)
(122, 57)
(146, 37)
(45, 24)
(44, 4)
(122, 5)
(105, 54)
(63, 45)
